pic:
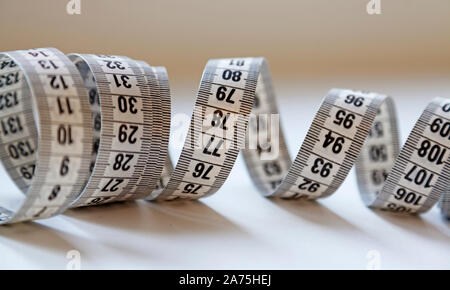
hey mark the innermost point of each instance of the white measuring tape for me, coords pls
(46, 134)
(130, 103)
(131, 107)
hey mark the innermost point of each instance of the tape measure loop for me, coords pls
(46, 135)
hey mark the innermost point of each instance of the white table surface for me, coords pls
(237, 228)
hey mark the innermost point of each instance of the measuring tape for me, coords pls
(130, 104)
(46, 131)
(131, 107)
(348, 124)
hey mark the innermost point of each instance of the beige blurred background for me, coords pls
(299, 38)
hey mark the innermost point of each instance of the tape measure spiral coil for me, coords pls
(126, 144)
(348, 122)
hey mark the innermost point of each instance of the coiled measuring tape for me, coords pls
(46, 134)
(348, 124)
(130, 102)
